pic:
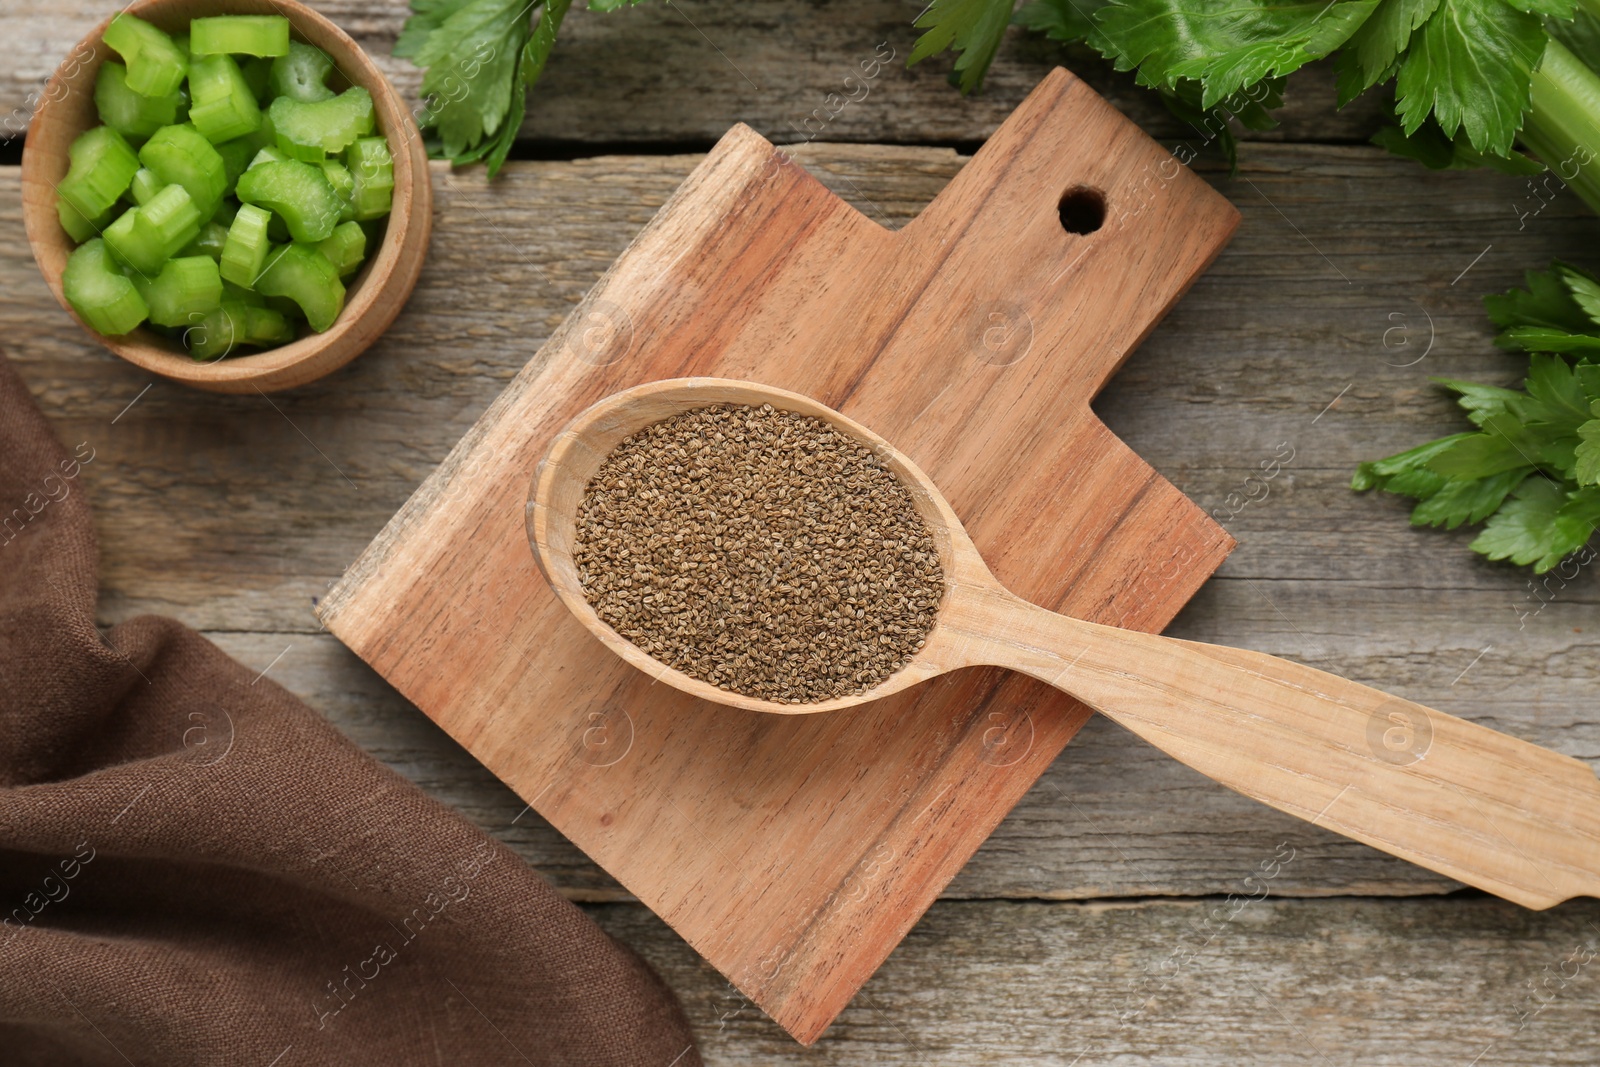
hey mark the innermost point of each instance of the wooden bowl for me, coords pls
(373, 297)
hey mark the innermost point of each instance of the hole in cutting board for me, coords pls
(1082, 210)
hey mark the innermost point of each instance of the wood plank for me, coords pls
(795, 852)
(681, 74)
(218, 511)
(1458, 980)
(202, 522)
(1113, 817)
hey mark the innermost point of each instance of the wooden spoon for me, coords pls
(1480, 806)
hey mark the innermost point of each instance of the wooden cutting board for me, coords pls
(795, 852)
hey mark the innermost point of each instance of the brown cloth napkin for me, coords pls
(196, 868)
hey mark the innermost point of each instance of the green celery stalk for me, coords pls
(372, 170)
(102, 167)
(296, 192)
(145, 185)
(132, 114)
(346, 248)
(222, 106)
(147, 236)
(303, 274)
(99, 293)
(156, 64)
(302, 74)
(246, 248)
(77, 226)
(251, 35)
(178, 155)
(313, 131)
(186, 290)
(1563, 124)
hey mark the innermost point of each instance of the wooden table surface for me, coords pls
(1095, 926)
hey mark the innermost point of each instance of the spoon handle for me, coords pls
(1480, 806)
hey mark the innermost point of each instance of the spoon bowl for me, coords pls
(578, 452)
(1477, 805)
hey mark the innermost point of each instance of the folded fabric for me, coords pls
(196, 868)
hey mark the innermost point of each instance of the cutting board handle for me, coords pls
(1066, 195)
(1480, 806)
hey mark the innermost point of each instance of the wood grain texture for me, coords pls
(796, 854)
(1489, 809)
(1414, 983)
(220, 511)
(680, 74)
(375, 294)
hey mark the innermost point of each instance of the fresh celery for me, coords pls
(186, 290)
(222, 106)
(312, 131)
(346, 248)
(99, 293)
(212, 240)
(306, 276)
(247, 246)
(251, 35)
(77, 226)
(145, 185)
(297, 192)
(302, 74)
(178, 155)
(267, 326)
(132, 114)
(218, 332)
(372, 168)
(344, 184)
(236, 155)
(156, 65)
(102, 167)
(1563, 124)
(269, 154)
(147, 236)
(257, 73)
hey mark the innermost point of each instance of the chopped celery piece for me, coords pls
(346, 248)
(236, 155)
(145, 185)
(339, 177)
(372, 167)
(304, 275)
(218, 332)
(268, 154)
(186, 289)
(247, 246)
(156, 65)
(147, 236)
(240, 319)
(213, 238)
(79, 228)
(178, 155)
(102, 168)
(302, 74)
(296, 192)
(311, 131)
(264, 326)
(129, 113)
(99, 293)
(286, 307)
(222, 106)
(242, 295)
(263, 137)
(250, 35)
(258, 75)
